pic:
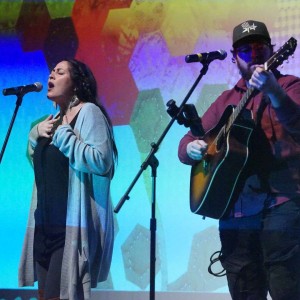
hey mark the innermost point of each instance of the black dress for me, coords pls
(51, 169)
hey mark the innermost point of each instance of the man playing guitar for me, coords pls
(260, 227)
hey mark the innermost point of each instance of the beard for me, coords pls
(246, 69)
(247, 66)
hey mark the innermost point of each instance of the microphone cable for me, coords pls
(215, 257)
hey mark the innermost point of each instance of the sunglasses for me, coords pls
(247, 51)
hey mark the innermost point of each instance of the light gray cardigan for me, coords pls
(89, 226)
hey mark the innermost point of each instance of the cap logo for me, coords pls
(247, 27)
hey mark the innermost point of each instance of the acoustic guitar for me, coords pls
(215, 179)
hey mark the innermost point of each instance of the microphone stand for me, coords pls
(18, 104)
(152, 161)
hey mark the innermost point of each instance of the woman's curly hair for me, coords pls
(86, 90)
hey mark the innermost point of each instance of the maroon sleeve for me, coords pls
(289, 112)
(209, 120)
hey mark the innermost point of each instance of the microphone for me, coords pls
(206, 57)
(24, 89)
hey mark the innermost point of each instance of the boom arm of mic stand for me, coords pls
(146, 163)
(155, 146)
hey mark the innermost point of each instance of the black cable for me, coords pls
(214, 260)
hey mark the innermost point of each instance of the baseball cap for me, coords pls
(250, 31)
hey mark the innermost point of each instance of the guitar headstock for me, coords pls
(281, 55)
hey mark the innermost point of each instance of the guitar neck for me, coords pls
(242, 104)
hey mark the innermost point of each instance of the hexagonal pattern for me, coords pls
(9, 19)
(59, 9)
(67, 40)
(150, 61)
(32, 25)
(136, 50)
(148, 119)
(136, 257)
(197, 278)
(207, 96)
